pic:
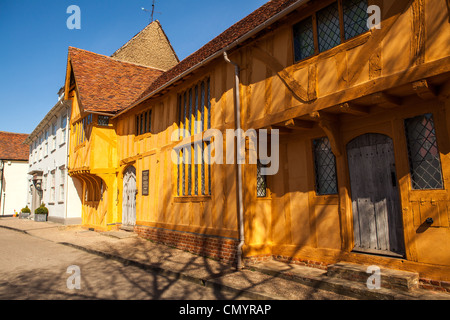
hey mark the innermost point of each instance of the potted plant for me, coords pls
(41, 213)
(25, 213)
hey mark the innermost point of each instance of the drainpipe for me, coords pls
(237, 112)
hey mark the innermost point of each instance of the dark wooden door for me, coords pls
(378, 226)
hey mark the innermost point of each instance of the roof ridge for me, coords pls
(117, 60)
(263, 13)
(16, 133)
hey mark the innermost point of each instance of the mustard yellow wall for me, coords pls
(293, 221)
(94, 161)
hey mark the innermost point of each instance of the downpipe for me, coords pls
(237, 111)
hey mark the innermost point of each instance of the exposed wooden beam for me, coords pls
(297, 124)
(385, 99)
(281, 129)
(353, 109)
(275, 66)
(423, 71)
(424, 89)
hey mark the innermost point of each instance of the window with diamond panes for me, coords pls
(304, 39)
(328, 27)
(325, 167)
(424, 159)
(103, 121)
(261, 182)
(355, 17)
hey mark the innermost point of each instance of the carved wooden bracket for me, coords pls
(382, 98)
(330, 125)
(297, 90)
(424, 89)
(298, 124)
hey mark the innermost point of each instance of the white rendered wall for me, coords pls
(14, 187)
(50, 155)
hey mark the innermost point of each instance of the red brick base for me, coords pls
(217, 248)
(428, 284)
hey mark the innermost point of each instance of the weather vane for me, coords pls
(152, 12)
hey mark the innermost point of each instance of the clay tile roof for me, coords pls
(106, 84)
(12, 147)
(226, 38)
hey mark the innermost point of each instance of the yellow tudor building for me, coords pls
(99, 86)
(363, 117)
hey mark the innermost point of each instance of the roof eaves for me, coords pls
(218, 53)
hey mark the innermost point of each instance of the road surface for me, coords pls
(34, 268)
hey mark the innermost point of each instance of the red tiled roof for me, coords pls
(106, 84)
(12, 147)
(226, 38)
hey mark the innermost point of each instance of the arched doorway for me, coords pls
(377, 221)
(129, 198)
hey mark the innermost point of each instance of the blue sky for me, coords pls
(34, 42)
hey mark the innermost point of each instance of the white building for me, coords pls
(48, 180)
(13, 173)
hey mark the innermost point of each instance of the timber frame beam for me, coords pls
(351, 108)
(297, 124)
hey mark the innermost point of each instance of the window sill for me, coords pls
(184, 199)
(143, 136)
(329, 199)
(62, 144)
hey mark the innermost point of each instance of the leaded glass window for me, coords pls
(103, 121)
(325, 167)
(328, 27)
(303, 39)
(424, 159)
(261, 182)
(355, 17)
(194, 116)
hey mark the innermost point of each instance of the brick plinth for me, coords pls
(428, 284)
(222, 249)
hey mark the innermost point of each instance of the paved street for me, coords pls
(33, 268)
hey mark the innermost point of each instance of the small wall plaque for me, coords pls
(145, 178)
